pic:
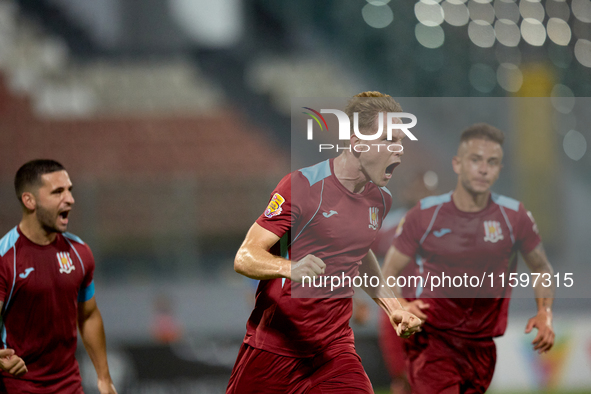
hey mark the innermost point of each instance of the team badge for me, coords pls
(274, 207)
(492, 231)
(65, 262)
(373, 218)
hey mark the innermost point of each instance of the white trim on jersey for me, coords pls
(313, 216)
(431, 224)
(508, 223)
(75, 251)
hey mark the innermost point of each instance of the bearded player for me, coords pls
(321, 220)
(46, 290)
(469, 231)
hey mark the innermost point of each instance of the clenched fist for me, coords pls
(405, 323)
(310, 266)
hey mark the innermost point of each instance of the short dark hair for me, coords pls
(30, 174)
(483, 131)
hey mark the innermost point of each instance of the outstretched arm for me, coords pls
(92, 332)
(404, 322)
(394, 263)
(254, 260)
(537, 262)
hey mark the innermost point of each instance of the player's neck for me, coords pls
(34, 231)
(469, 202)
(346, 169)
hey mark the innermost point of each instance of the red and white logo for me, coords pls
(492, 231)
(65, 262)
(373, 218)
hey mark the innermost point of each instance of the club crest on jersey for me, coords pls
(274, 207)
(373, 218)
(65, 262)
(492, 231)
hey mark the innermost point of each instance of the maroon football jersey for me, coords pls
(314, 213)
(386, 234)
(382, 244)
(484, 244)
(40, 287)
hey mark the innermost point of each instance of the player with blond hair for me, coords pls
(320, 221)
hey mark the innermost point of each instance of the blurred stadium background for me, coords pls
(173, 119)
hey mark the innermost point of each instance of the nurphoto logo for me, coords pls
(345, 127)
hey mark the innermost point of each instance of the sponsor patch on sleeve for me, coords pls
(274, 207)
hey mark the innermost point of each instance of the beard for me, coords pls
(47, 220)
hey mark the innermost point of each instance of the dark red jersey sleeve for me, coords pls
(526, 233)
(89, 268)
(86, 291)
(388, 204)
(408, 233)
(281, 212)
(5, 283)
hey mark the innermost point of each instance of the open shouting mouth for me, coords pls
(63, 215)
(391, 167)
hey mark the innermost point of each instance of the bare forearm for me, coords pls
(257, 263)
(392, 272)
(92, 333)
(381, 294)
(544, 287)
(544, 304)
(544, 294)
(389, 269)
(394, 263)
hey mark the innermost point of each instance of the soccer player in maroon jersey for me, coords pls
(469, 231)
(391, 345)
(46, 290)
(321, 220)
